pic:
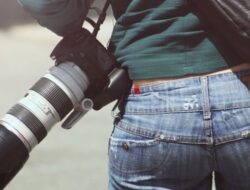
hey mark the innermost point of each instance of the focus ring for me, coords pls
(55, 95)
(30, 120)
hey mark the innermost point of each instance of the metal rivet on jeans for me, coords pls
(162, 137)
(246, 134)
(125, 146)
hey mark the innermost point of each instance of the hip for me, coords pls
(204, 109)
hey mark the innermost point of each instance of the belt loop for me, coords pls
(205, 96)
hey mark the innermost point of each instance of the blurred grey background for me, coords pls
(66, 159)
(11, 14)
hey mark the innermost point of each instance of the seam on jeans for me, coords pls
(245, 134)
(158, 111)
(131, 111)
(153, 168)
(145, 142)
(229, 140)
(233, 106)
(182, 139)
(163, 137)
(205, 98)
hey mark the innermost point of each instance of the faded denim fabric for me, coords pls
(174, 135)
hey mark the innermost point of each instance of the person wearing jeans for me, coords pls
(187, 113)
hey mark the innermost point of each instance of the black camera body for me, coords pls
(108, 81)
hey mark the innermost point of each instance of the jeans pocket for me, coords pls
(133, 154)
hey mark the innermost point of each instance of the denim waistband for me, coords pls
(216, 92)
(164, 85)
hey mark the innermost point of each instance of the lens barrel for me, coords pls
(13, 156)
(46, 103)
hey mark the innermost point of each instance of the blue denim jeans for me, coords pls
(174, 135)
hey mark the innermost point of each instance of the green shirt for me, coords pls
(152, 38)
(165, 38)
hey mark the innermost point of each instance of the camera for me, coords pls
(85, 76)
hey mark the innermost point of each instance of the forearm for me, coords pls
(60, 16)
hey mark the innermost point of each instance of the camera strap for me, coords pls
(102, 16)
(107, 80)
